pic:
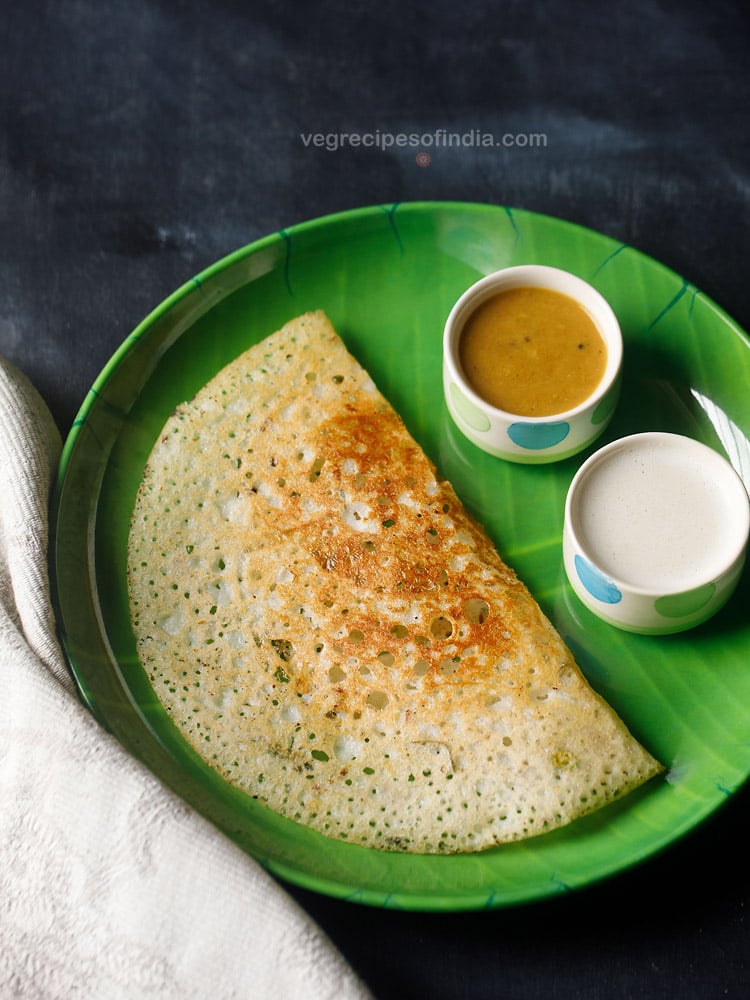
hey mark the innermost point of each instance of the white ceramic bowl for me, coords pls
(655, 533)
(522, 438)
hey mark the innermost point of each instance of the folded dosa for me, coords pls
(334, 634)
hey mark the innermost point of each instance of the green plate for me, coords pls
(387, 277)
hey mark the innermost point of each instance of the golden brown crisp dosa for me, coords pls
(335, 635)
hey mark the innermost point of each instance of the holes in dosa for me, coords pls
(377, 700)
(316, 468)
(476, 611)
(441, 627)
(284, 649)
(449, 665)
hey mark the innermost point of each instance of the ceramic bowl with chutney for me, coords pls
(655, 532)
(532, 357)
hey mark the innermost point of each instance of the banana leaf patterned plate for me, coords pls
(387, 276)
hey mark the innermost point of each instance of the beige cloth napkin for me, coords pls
(110, 886)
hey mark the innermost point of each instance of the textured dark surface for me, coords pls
(141, 142)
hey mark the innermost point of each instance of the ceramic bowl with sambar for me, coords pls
(655, 532)
(532, 357)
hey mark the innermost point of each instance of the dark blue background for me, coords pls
(140, 142)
